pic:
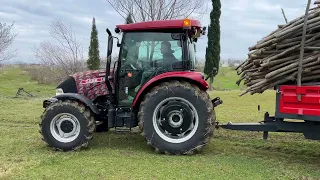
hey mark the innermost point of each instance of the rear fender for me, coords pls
(189, 76)
(72, 96)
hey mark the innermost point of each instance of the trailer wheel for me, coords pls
(177, 118)
(67, 126)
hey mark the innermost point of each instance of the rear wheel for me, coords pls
(67, 125)
(177, 118)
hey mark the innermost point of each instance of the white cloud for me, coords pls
(266, 6)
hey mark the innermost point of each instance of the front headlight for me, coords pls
(59, 91)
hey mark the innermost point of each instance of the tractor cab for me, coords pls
(149, 49)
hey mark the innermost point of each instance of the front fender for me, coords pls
(72, 96)
(190, 76)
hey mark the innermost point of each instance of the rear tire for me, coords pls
(67, 126)
(177, 118)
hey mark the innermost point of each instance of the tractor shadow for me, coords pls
(124, 141)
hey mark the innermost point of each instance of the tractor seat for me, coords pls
(126, 102)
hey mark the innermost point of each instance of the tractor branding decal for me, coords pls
(91, 83)
(94, 80)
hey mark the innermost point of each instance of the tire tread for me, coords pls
(83, 110)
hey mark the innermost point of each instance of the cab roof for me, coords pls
(159, 24)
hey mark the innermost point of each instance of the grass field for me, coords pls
(226, 79)
(230, 154)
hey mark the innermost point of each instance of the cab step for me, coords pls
(122, 129)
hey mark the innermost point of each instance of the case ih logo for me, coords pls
(94, 80)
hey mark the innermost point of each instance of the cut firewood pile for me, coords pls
(274, 59)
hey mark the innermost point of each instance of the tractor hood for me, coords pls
(88, 83)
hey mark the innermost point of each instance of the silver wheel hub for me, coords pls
(175, 120)
(65, 127)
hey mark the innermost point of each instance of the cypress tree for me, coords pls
(213, 49)
(93, 62)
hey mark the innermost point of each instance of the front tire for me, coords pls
(67, 125)
(177, 118)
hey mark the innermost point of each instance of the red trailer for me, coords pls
(297, 102)
(288, 106)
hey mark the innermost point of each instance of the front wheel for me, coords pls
(67, 125)
(177, 118)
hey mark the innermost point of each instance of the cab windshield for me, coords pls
(151, 46)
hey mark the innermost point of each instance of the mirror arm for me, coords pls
(214, 70)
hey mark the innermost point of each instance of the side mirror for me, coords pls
(110, 42)
(110, 45)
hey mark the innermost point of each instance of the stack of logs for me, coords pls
(274, 59)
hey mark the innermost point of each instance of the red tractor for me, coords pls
(152, 85)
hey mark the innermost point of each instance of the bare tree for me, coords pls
(6, 40)
(150, 10)
(63, 52)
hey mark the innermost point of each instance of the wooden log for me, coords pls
(249, 65)
(272, 68)
(251, 78)
(295, 39)
(311, 23)
(294, 65)
(306, 74)
(312, 48)
(250, 70)
(244, 62)
(289, 50)
(289, 44)
(260, 56)
(282, 74)
(292, 77)
(265, 44)
(277, 56)
(311, 69)
(313, 77)
(250, 83)
(300, 22)
(300, 19)
(294, 59)
(239, 81)
(279, 61)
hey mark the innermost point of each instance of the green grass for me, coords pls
(229, 155)
(11, 79)
(226, 79)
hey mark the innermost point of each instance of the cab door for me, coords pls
(129, 73)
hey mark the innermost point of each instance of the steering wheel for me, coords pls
(130, 62)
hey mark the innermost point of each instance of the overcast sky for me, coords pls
(243, 22)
